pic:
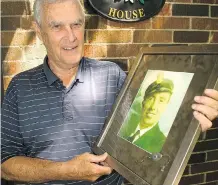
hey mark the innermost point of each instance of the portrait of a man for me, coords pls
(147, 134)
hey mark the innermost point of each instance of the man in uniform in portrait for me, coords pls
(147, 134)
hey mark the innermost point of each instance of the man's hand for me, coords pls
(86, 167)
(83, 167)
(206, 108)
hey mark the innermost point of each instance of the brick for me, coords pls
(95, 22)
(204, 1)
(191, 36)
(170, 23)
(214, 38)
(26, 22)
(213, 155)
(205, 24)
(152, 36)
(111, 36)
(214, 11)
(15, 8)
(197, 158)
(204, 167)
(18, 38)
(13, 23)
(34, 53)
(206, 45)
(186, 171)
(212, 134)
(11, 54)
(123, 50)
(13, 68)
(10, 23)
(10, 68)
(95, 51)
(134, 25)
(212, 176)
(190, 10)
(185, 180)
(166, 10)
(6, 81)
(206, 145)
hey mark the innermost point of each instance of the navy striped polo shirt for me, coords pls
(43, 119)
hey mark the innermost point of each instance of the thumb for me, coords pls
(98, 158)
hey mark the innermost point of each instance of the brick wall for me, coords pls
(184, 22)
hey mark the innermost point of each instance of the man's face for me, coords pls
(62, 32)
(153, 106)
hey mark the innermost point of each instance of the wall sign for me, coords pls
(127, 10)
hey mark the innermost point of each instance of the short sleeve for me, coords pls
(121, 79)
(11, 138)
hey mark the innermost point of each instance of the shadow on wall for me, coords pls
(16, 35)
(13, 24)
(103, 36)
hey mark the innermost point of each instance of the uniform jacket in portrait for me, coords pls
(152, 140)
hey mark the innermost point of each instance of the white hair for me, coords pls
(38, 4)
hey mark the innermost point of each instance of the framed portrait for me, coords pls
(151, 131)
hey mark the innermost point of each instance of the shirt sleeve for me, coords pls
(11, 138)
(121, 79)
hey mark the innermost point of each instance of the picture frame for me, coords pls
(163, 166)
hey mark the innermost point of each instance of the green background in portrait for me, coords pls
(181, 82)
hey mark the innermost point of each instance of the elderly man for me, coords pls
(147, 134)
(51, 114)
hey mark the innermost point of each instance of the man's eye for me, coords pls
(162, 100)
(77, 25)
(56, 27)
(150, 99)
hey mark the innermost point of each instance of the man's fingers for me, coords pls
(89, 166)
(203, 121)
(97, 158)
(209, 112)
(211, 93)
(207, 101)
(104, 164)
(104, 170)
(99, 171)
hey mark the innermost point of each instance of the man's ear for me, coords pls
(37, 29)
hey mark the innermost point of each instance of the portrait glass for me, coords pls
(154, 109)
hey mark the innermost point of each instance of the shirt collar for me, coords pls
(81, 70)
(142, 131)
(51, 77)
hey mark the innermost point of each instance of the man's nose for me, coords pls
(71, 35)
(154, 104)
